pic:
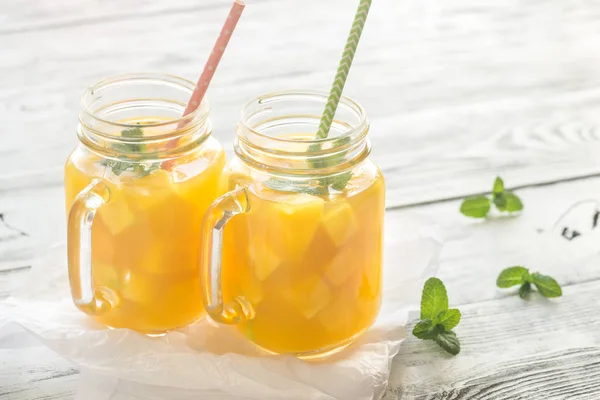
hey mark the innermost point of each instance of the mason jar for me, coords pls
(292, 254)
(137, 186)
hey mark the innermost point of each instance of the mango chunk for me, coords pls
(263, 258)
(116, 215)
(308, 296)
(251, 290)
(340, 315)
(291, 223)
(339, 221)
(146, 192)
(343, 265)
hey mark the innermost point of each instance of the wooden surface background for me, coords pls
(457, 91)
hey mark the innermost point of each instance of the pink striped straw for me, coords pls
(215, 56)
(211, 65)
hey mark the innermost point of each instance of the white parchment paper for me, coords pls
(208, 361)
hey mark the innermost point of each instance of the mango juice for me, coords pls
(145, 239)
(308, 265)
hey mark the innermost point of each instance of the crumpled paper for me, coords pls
(211, 361)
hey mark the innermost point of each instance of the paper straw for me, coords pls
(209, 68)
(342, 73)
(215, 56)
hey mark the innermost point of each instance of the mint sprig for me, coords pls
(323, 184)
(288, 186)
(119, 166)
(545, 285)
(479, 206)
(437, 320)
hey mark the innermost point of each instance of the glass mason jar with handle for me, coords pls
(137, 186)
(292, 253)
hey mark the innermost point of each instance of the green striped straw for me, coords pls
(342, 73)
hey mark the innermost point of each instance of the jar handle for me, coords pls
(79, 239)
(211, 253)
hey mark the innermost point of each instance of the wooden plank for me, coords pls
(32, 221)
(35, 373)
(511, 349)
(456, 93)
(474, 251)
(473, 255)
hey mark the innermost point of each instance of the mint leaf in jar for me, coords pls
(140, 169)
(117, 167)
(283, 185)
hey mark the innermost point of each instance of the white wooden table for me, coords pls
(458, 91)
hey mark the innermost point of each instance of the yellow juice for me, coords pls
(145, 239)
(309, 266)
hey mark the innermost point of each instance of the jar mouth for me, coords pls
(277, 132)
(319, 98)
(141, 114)
(98, 103)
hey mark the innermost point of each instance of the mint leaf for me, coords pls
(337, 182)
(341, 181)
(512, 276)
(546, 285)
(425, 330)
(498, 186)
(434, 298)
(135, 132)
(282, 185)
(119, 166)
(499, 201)
(448, 341)
(448, 318)
(434, 301)
(513, 202)
(143, 169)
(479, 206)
(475, 207)
(525, 290)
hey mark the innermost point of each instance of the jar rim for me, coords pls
(361, 126)
(295, 151)
(110, 81)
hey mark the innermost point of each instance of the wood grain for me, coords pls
(35, 373)
(511, 349)
(456, 93)
(473, 255)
